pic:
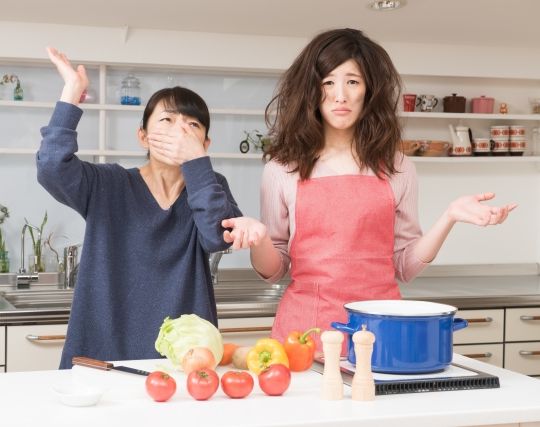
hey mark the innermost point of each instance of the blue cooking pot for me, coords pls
(411, 337)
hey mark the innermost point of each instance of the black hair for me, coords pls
(181, 100)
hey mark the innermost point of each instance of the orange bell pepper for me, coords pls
(266, 352)
(300, 349)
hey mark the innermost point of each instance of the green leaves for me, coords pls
(36, 242)
(4, 214)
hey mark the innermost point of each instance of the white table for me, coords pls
(26, 399)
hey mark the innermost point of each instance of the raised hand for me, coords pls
(469, 209)
(75, 80)
(246, 232)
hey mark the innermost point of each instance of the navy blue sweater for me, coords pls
(139, 263)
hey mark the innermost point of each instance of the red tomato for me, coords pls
(237, 384)
(275, 379)
(198, 358)
(202, 383)
(160, 386)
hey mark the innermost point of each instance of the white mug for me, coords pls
(427, 102)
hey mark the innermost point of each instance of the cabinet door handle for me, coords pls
(529, 317)
(479, 355)
(31, 337)
(486, 319)
(251, 329)
(529, 352)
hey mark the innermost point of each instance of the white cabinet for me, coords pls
(244, 331)
(483, 338)
(523, 324)
(485, 326)
(522, 348)
(506, 337)
(2, 347)
(489, 353)
(34, 347)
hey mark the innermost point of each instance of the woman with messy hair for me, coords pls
(338, 198)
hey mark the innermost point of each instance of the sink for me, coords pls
(39, 299)
(248, 292)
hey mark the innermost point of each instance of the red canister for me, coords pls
(482, 105)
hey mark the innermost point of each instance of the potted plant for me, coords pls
(39, 265)
(4, 259)
(18, 93)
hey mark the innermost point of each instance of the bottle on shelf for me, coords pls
(130, 91)
(18, 93)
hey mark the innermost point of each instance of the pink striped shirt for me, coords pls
(278, 198)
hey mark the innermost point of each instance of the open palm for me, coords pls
(75, 80)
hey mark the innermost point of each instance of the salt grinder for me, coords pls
(363, 385)
(332, 388)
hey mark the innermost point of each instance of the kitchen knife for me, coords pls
(105, 366)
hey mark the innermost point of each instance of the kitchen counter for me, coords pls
(476, 292)
(27, 399)
(240, 293)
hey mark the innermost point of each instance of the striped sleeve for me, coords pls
(407, 229)
(277, 189)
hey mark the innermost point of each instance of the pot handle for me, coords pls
(342, 327)
(459, 324)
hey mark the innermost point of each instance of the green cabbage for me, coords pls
(177, 336)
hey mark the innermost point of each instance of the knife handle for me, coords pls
(92, 363)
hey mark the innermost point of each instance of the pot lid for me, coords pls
(484, 98)
(400, 308)
(454, 97)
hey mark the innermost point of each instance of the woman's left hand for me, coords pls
(469, 209)
(245, 232)
(176, 145)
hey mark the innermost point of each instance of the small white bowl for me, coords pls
(78, 395)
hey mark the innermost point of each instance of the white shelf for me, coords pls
(128, 153)
(472, 116)
(250, 112)
(258, 156)
(119, 107)
(477, 159)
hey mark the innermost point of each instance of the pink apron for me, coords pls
(341, 252)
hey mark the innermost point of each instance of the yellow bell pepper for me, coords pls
(266, 352)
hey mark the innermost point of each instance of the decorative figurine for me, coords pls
(363, 384)
(503, 109)
(332, 388)
(256, 138)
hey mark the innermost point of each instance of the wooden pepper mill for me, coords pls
(332, 388)
(363, 385)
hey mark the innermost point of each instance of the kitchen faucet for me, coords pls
(71, 265)
(214, 259)
(24, 279)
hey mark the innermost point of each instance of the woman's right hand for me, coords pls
(75, 80)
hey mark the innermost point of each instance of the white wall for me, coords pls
(516, 241)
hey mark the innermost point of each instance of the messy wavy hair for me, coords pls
(294, 119)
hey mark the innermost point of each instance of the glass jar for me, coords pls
(18, 93)
(130, 91)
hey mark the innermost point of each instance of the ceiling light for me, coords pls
(382, 5)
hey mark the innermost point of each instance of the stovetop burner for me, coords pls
(454, 377)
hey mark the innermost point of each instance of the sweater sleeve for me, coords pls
(407, 230)
(275, 213)
(59, 170)
(211, 202)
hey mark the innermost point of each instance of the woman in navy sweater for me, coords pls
(149, 230)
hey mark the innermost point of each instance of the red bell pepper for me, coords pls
(300, 349)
